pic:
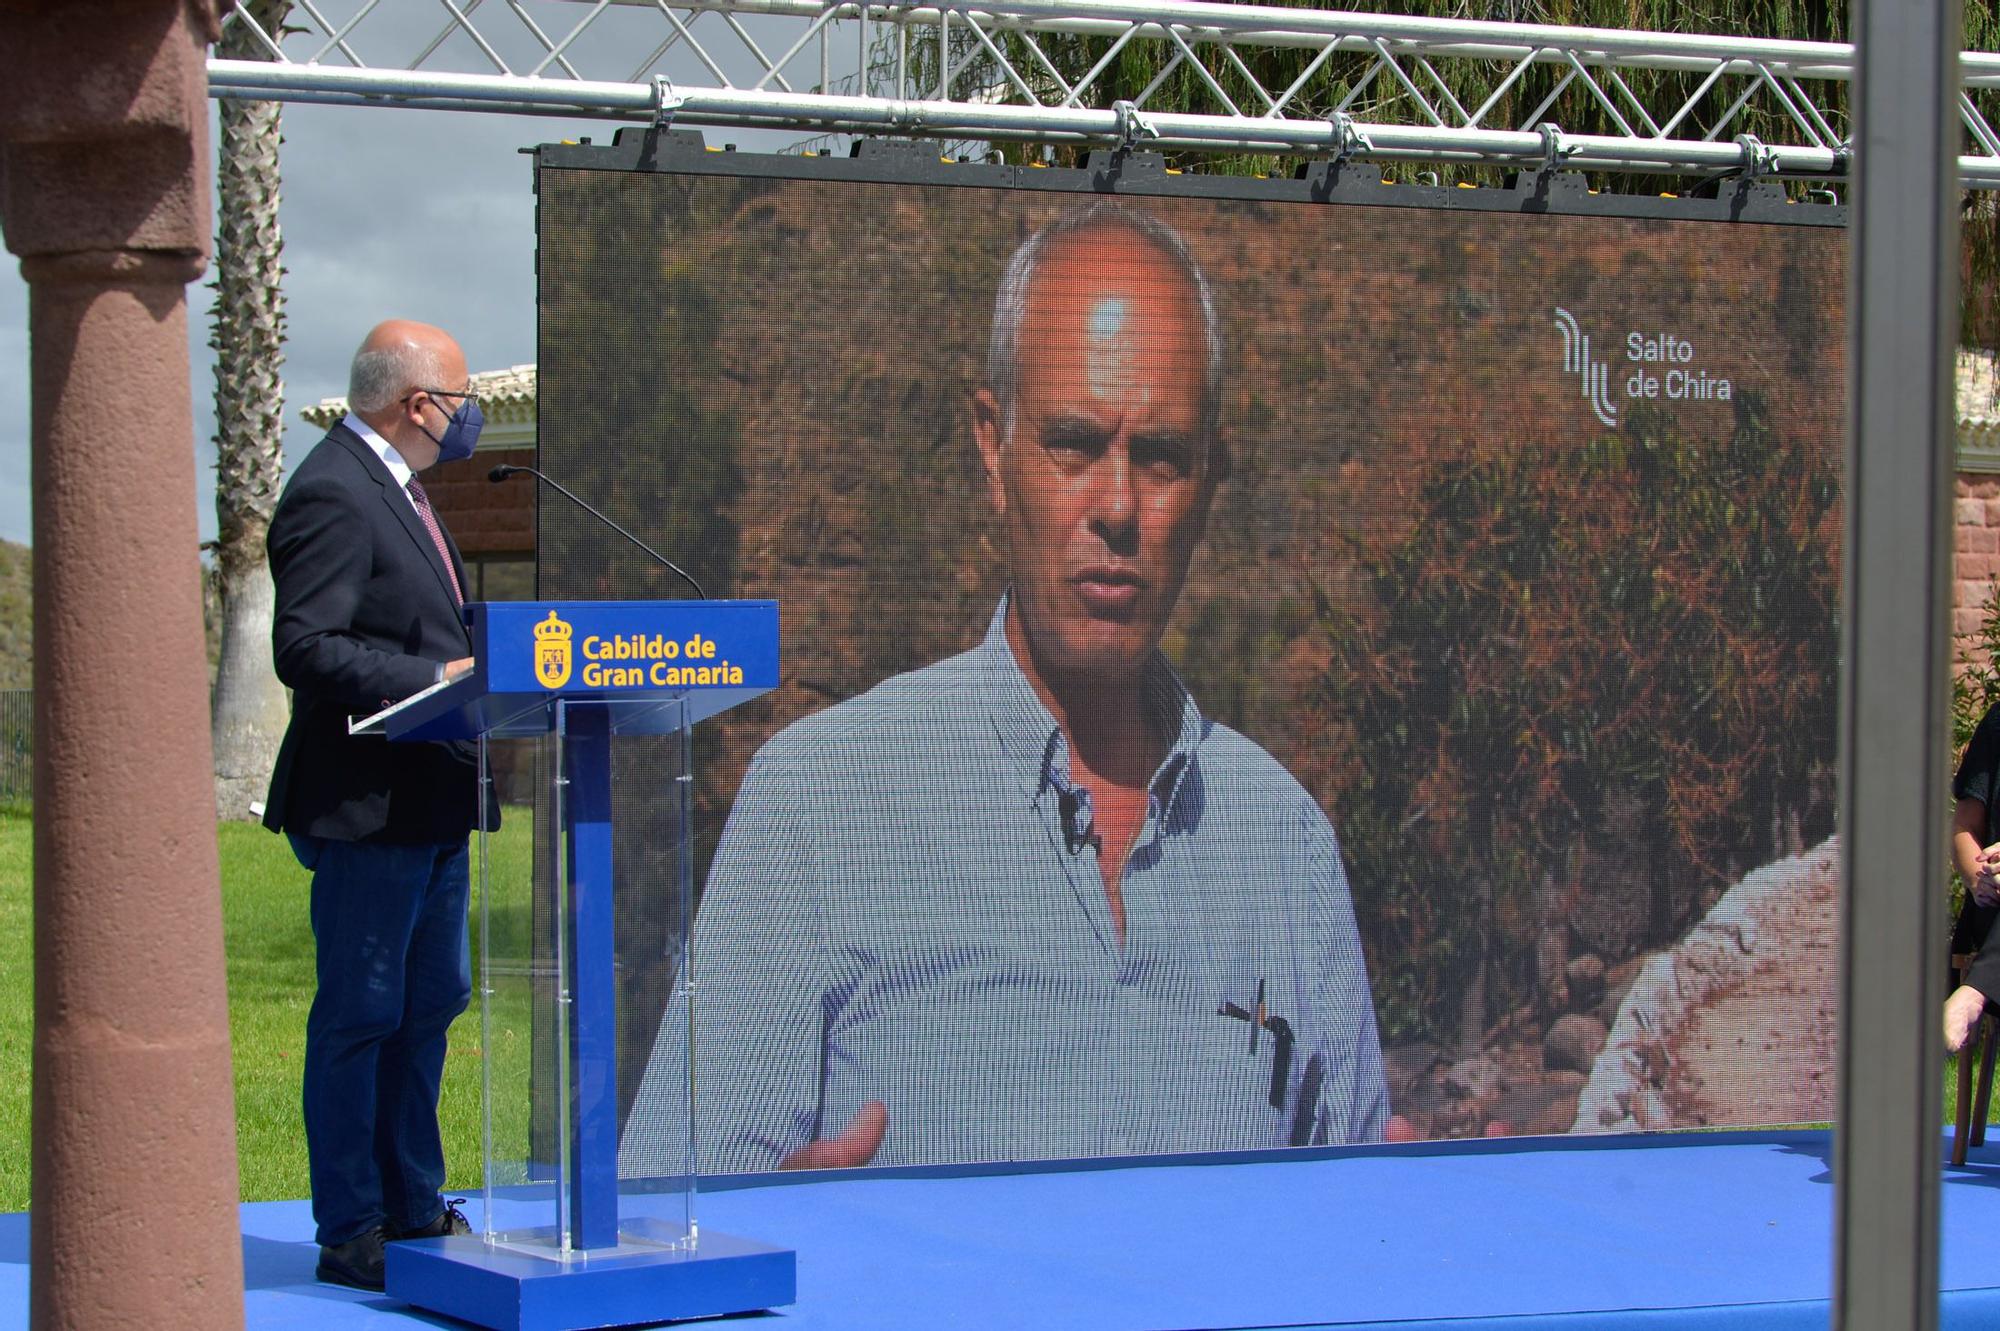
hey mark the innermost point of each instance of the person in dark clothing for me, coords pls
(369, 590)
(1975, 853)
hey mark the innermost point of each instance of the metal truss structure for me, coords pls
(1370, 87)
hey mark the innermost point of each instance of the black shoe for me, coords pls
(451, 1220)
(356, 1263)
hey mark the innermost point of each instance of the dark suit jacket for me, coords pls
(364, 617)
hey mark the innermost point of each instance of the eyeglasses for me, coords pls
(441, 392)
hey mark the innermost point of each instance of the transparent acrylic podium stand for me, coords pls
(585, 894)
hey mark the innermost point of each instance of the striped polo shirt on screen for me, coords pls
(896, 913)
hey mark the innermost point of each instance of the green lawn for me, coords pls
(264, 897)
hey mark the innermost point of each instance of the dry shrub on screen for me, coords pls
(1583, 687)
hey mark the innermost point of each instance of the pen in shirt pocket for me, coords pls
(1282, 1039)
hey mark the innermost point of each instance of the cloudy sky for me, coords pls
(420, 214)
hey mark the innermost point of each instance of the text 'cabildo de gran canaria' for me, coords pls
(629, 660)
(664, 658)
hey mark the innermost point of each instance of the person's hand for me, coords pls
(1985, 884)
(455, 669)
(1961, 1015)
(854, 1147)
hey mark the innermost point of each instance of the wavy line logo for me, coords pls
(1594, 375)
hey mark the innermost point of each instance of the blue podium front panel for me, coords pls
(529, 654)
(589, 649)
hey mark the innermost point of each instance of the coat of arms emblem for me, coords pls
(552, 652)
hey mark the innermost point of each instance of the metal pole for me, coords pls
(1895, 655)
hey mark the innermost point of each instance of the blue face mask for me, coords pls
(461, 432)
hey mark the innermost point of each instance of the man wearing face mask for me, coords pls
(369, 590)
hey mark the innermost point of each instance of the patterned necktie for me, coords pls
(423, 504)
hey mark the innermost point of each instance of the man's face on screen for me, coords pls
(1103, 479)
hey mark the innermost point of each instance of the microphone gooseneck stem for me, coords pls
(503, 471)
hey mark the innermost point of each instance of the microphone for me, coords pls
(1075, 838)
(503, 471)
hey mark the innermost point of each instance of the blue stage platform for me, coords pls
(1702, 1231)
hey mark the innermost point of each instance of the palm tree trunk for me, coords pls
(249, 705)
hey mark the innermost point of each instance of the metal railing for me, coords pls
(17, 745)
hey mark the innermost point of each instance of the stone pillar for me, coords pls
(104, 195)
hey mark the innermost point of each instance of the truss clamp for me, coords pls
(1133, 125)
(1759, 158)
(666, 102)
(1347, 137)
(1555, 149)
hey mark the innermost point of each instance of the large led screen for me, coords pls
(1265, 664)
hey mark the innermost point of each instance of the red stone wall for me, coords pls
(486, 519)
(1975, 552)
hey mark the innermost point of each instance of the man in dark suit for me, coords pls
(369, 588)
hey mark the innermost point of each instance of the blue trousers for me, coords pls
(394, 967)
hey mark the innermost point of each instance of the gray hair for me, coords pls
(1010, 302)
(381, 376)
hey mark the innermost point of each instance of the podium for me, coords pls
(589, 708)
